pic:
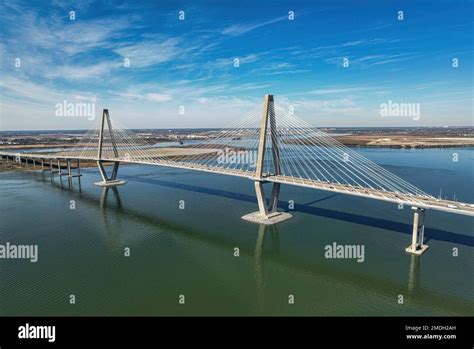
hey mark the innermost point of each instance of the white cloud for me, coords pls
(372, 60)
(69, 72)
(249, 86)
(239, 29)
(344, 90)
(148, 53)
(28, 91)
(70, 37)
(158, 97)
(28, 105)
(47, 45)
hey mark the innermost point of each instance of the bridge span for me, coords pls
(290, 153)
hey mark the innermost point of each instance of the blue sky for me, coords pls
(191, 62)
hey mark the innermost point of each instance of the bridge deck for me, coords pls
(427, 202)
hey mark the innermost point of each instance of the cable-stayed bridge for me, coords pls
(273, 147)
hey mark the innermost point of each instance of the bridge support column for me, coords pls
(267, 214)
(418, 234)
(68, 163)
(274, 197)
(43, 163)
(68, 167)
(53, 171)
(262, 205)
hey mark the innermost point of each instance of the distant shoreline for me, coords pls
(35, 146)
(393, 137)
(351, 142)
(406, 141)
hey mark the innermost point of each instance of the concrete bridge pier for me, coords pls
(58, 171)
(418, 234)
(106, 180)
(46, 165)
(61, 173)
(68, 166)
(51, 168)
(69, 169)
(267, 214)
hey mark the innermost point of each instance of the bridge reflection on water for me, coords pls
(267, 249)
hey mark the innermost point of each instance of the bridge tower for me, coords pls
(267, 213)
(418, 234)
(107, 181)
